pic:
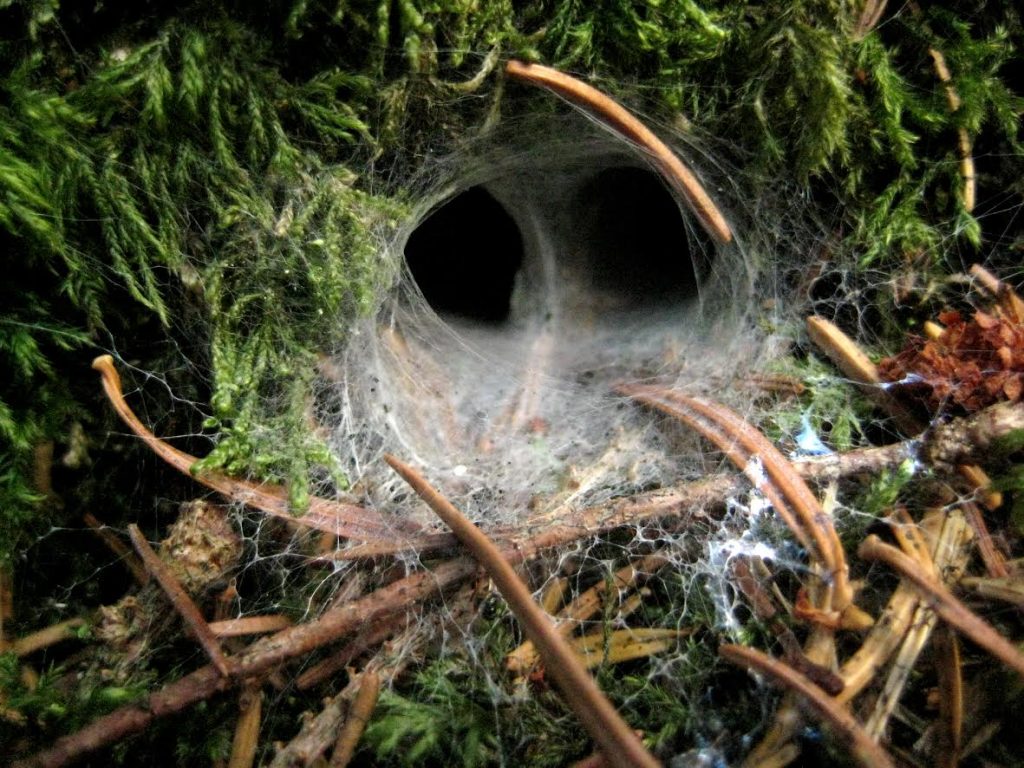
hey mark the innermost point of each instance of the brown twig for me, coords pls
(619, 120)
(658, 398)
(247, 729)
(726, 429)
(249, 625)
(942, 601)
(346, 520)
(866, 751)
(369, 637)
(951, 698)
(358, 717)
(616, 739)
(995, 562)
(118, 547)
(44, 638)
(851, 360)
(1009, 589)
(180, 600)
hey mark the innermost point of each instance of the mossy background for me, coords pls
(203, 188)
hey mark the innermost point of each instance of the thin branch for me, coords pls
(118, 547)
(729, 428)
(616, 739)
(994, 560)
(180, 600)
(250, 625)
(943, 602)
(619, 120)
(247, 729)
(369, 637)
(358, 717)
(866, 751)
(346, 520)
(43, 638)
(261, 657)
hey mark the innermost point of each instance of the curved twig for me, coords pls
(339, 519)
(864, 749)
(726, 430)
(616, 739)
(618, 119)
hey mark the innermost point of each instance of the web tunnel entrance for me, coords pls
(575, 242)
(465, 256)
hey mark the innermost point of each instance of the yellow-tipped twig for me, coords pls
(851, 360)
(619, 120)
(180, 600)
(616, 739)
(866, 751)
(340, 519)
(943, 602)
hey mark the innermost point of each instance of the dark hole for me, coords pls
(465, 255)
(638, 247)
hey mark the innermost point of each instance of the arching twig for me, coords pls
(617, 118)
(346, 520)
(727, 430)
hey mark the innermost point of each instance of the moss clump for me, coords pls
(219, 169)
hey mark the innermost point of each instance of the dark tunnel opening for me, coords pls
(465, 255)
(639, 249)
